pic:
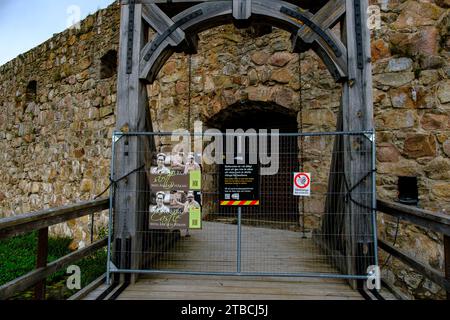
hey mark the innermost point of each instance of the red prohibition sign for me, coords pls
(298, 177)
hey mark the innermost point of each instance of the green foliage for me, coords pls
(18, 257)
(102, 232)
(92, 267)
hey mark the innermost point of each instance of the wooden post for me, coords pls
(41, 261)
(132, 116)
(357, 116)
(447, 260)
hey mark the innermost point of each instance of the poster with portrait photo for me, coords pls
(175, 210)
(175, 182)
(175, 172)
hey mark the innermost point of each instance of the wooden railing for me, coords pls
(40, 221)
(429, 220)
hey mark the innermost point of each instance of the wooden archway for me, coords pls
(347, 58)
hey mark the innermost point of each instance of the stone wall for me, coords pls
(56, 142)
(57, 149)
(412, 113)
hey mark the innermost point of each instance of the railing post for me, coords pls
(41, 261)
(447, 260)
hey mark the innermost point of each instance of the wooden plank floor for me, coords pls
(263, 250)
(214, 249)
(189, 287)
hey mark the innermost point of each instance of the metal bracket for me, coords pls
(370, 136)
(116, 136)
(358, 34)
(314, 27)
(112, 267)
(130, 40)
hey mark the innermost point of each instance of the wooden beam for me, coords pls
(132, 115)
(80, 295)
(23, 223)
(435, 221)
(210, 14)
(41, 262)
(306, 4)
(242, 9)
(20, 284)
(325, 18)
(425, 270)
(357, 116)
(447, 261)
(160, 22)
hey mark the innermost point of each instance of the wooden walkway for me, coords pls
(263, 250)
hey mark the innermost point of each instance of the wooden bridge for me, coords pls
(176, 28)
(177, 286)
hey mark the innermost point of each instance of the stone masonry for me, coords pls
(56, 144)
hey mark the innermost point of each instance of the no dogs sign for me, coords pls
(302, 184)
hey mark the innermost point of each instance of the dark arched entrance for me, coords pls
(278, 206)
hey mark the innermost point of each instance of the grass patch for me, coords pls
(18, 257)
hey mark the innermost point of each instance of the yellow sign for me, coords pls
(195, 180)
(195, 218)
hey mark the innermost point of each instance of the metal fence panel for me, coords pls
(284, 235)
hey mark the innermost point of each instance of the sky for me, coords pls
(24, 24)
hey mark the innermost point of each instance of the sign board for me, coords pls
(176, 219)
(302, 184)
(176, 193)
(168, 221)
(239, 185)
(172, 181)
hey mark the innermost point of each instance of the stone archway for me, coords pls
(277, 204)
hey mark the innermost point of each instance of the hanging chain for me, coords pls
(300, 91)
(302, 167)
(189, 91)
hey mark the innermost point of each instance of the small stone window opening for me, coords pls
(407, 191)
(108, 64)
(31, 92)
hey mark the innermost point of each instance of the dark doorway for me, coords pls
(277, 203)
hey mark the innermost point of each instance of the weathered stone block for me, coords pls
(425, 42)
(431, 62)
(442, 190)
(446, 147)
(282, 76)
(438, 169)
(87, 185)
(84, 63)
(260, 57)
(280, 59)
(387, 152)
(394, 79)
(397, 119)
(444, 92)
(416, 14)
(432, 121)
(419, 145)
(399, 64)
(379, 49)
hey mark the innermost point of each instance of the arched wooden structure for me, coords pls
(176, 24)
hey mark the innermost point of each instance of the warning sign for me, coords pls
(239, 185)
(302, 184)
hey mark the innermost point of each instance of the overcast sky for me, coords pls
(24, 24)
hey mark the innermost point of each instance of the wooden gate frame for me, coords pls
(347, 58)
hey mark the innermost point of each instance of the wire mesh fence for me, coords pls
(189, 223)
